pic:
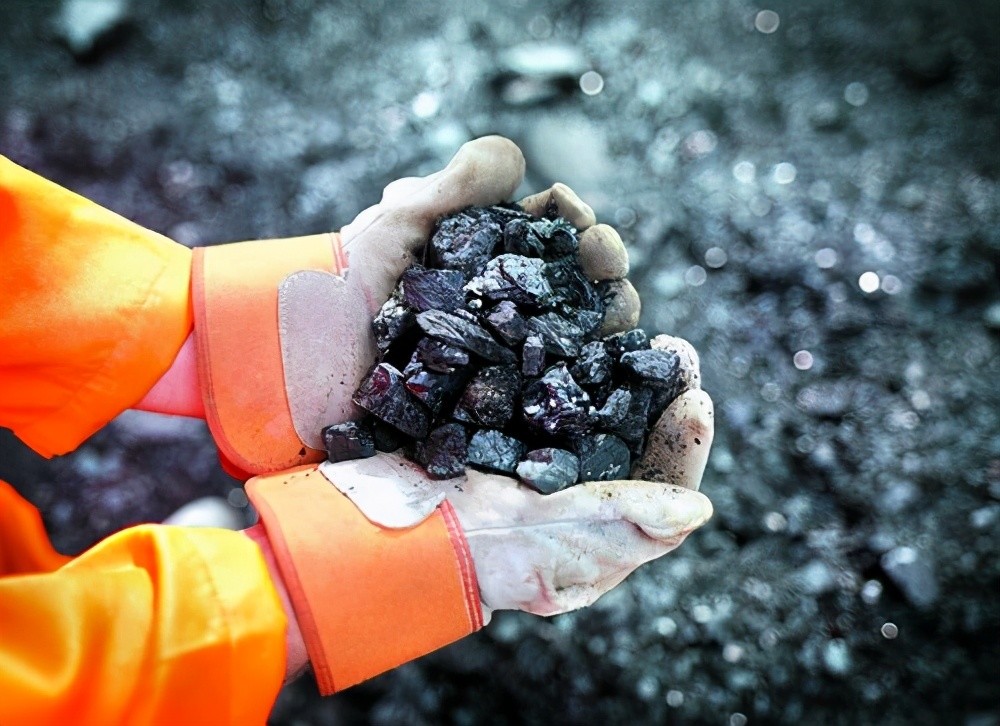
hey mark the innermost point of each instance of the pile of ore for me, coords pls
(490, 356)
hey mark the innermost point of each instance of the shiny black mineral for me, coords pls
(496, 451)
(549, 470)
(444, 452)
(503, 368)
(348, 441)
(384, 395)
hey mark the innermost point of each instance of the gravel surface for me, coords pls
(809, 195)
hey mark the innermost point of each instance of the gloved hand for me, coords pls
(549, 554)
(379, 245)
(302, 310)
(403, 564)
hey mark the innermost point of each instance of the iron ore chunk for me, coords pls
(559, 336)
(593, 366)
(348, 441)
(549, 470)
(490, 397)
(387, 438)
(532, 356)
(424, 289)
(508, 322)
(558, 235)
(496, 451)
(620, 343)
(465, 242)
(615, 409)
(457, 330)
(633, 427)
(444, 452)
(439, 357)
(384, 395)
(603, 457)
(572, 288)
(555, 404)
(657, 368)
(520, 239)
(434, 390)
(390, 322)
(515, 278)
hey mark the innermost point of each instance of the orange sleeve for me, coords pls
(154, 625)
(93, 310)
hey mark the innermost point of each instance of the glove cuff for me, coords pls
(235, 299)
(367, 598)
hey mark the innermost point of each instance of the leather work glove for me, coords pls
(301, 310)
(379, 245)
(404, 564)
(549, 554)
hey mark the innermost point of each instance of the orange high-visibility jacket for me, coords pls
(165, 624)
(154, 624)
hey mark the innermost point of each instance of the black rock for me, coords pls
(520, 239)
(593, 366)
(603, 457)
(439, 357)
(504, 214)
(423, 289)
(571, 287)
(615, 409)
(348, 441)
(559, 336)
(508, 322)
(515, 278)
(465, 242)
(532, 356)
(634, 425)
(587, 321)
(490, 398)
(558, 236)
(434, 390)
(443, 453)
(458, 330)
(393, 319)
(496, 451)
(549, 470)
(555, 404)
(657, 368)
(384, 395)
(387, 438)
(631, 340)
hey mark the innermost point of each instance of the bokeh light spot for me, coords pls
(695, 276)
(591, 83)
(744, 172)
(767, 21)
(784, 173)
(715, 257)
(856, 93)
(826, 258)
(868, 282)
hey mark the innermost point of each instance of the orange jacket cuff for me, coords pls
(367, 598)
(95, 308)
(235, 290)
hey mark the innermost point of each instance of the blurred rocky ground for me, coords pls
(809, 192)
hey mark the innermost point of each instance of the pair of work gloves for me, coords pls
(513, 547)
(544, 554)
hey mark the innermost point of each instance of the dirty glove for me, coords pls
(302, 310)
(553, 553)
(404, 564)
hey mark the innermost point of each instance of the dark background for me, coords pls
(755, 177)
